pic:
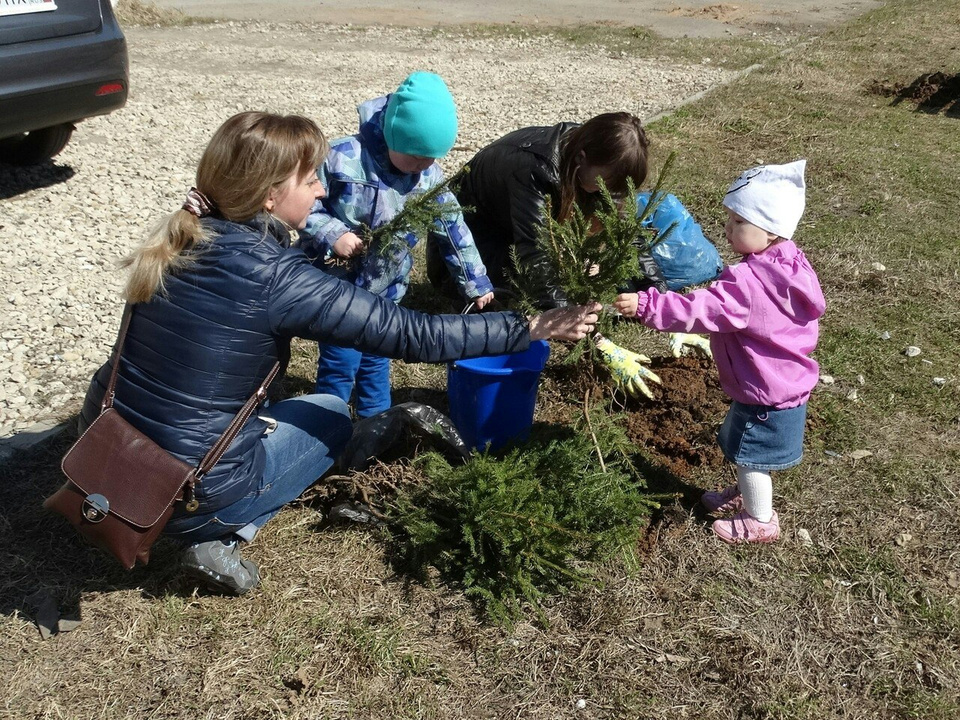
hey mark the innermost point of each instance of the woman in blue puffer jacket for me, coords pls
(217, 293)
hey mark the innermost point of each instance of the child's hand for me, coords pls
(347, 245)
(483, 300)
(626, 304)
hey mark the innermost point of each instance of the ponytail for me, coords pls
(169, 248)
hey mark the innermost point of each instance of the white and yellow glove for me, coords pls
(625, 366)
(679, 342)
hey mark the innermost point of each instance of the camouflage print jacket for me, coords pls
(364, 188)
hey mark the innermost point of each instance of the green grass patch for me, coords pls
(618, 42)
(875, 573)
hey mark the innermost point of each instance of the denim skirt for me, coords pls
(762, 437)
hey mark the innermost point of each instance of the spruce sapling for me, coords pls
(418, 217)
(592, 258)
(517, 528)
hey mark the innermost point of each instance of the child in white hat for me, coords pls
(762, 316)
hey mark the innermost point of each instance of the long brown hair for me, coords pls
(248, 155)
(613, 141)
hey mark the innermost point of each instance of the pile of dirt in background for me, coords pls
(931, 92)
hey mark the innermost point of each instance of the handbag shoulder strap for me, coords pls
(108, 396)
(239, 420)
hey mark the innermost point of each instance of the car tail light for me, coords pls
(109, 89)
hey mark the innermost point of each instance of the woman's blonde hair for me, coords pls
(250, 154)
(613, 141)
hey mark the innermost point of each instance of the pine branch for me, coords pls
(657, 196)
(418, 216)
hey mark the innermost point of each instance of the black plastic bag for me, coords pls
(374, 436)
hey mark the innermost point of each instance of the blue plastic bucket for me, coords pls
(492, 398)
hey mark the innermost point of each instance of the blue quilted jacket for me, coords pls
(193, 356)
(363, 187)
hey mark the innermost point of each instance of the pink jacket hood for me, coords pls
(762, 315)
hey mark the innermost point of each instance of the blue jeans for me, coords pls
(339, 369)
(312, 431)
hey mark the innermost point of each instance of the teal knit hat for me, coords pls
(421, 118)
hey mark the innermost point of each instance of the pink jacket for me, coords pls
(762, 318)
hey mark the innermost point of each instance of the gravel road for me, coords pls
(678, 18)
(64, 227)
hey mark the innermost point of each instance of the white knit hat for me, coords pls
(770, 196)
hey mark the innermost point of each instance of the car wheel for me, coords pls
(35, 146)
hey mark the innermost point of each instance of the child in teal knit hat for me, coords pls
(368, 178)
(421, 119)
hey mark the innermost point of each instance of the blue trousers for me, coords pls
(340, 369)
(312, 431)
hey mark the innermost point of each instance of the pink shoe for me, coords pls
(744, 528)
(727, 500)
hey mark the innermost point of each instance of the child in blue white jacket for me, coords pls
(368, 178)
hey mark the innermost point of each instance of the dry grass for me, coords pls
(863, 623)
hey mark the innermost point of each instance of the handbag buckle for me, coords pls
(95, 507)
(190, 502)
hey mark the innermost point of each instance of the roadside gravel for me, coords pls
(63, 228)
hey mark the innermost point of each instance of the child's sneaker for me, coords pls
(744, 528)
(727, 500)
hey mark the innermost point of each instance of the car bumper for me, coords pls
(57, 80)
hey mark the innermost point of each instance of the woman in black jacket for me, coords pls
(511, 179)
(217, 293)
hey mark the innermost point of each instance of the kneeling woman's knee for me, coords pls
(339, 424)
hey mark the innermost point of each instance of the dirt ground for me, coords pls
(676, 18)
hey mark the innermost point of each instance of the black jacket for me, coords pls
(193, 356)
(506, 191)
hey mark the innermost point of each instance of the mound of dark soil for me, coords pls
(678, 428)
(931, 92)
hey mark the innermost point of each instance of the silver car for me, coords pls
(60, 61)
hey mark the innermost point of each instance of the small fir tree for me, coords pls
(593, 257)
(516, 528)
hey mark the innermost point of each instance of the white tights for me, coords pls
(756, 487)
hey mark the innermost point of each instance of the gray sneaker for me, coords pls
(218, 565)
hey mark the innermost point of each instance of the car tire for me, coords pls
(36, 146)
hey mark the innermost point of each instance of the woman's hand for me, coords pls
(569, 323)
(347, 245)
(626, 304)
(484, 300)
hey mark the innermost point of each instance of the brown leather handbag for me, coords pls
(121, 486)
